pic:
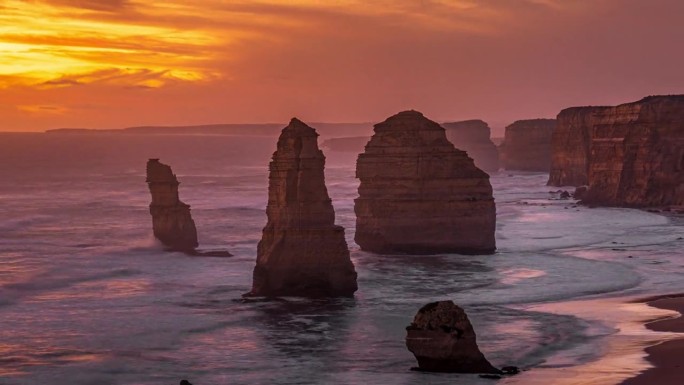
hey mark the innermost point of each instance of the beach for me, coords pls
(666, 357)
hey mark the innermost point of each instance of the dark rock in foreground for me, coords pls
(420, 195)
(302, 252)
(171, 220)
(443, 340)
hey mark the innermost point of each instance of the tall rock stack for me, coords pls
(171, 220)
(302, 252)
(633, 154)
(527, 145)
(473, 137)
(419, 194)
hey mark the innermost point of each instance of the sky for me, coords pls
(119, 63)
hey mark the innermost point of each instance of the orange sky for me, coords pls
(116, 63)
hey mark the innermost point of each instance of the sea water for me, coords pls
(87, 296)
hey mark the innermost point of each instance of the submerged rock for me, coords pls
(420, 195)
(443, 340)
(172, 223)
(302, 252)
(628, 155)
(473, 137)
(527, 145)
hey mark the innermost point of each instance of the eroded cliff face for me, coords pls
(473, 137)
(637, 154)
(527, 145)
(420, 195)
(172, 223)
(631, 154)
(570, 146)
(302, 252)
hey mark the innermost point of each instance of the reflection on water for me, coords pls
(17, 360)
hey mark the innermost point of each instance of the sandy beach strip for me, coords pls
(667, 358)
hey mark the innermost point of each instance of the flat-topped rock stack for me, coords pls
(172, 223)
(473, 137)
(628, 155)
(527, 145)
(420, 195)
(302, 252)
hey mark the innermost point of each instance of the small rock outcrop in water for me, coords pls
(628, 155)
(302, 252)
(473, 137)
(527, 145)
(443, 340)
(171, 220)
(420, 195)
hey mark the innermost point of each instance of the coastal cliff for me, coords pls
(302, 252)
(570, 146)
(420, 195)
(527, 145)
(628, 155)
(172, 223)
(473, 137)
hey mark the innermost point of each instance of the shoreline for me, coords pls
(622, 356)
(665, 357)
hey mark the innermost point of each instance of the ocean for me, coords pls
(87, 296)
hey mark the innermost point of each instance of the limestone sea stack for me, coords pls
(443, 340)
(629, 155)
(172, 223)
(302, 252)
(527, 145)
(420, 195)
(473, 137)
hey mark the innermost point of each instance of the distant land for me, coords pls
(265, 129)
(326, 130)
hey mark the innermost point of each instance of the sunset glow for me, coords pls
(344, 60)
(58, 45)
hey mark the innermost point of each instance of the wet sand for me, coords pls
(667, 358)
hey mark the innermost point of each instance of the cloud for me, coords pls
(44, 42)
(265, 60)
(43, 109)
(96, 5)
(50, 43)
(62, 83)
(128, 78)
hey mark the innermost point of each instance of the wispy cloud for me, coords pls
(43, 42)
(43, 109)
(98, 5)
